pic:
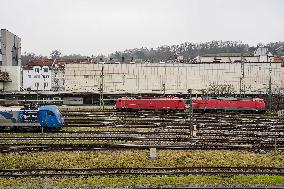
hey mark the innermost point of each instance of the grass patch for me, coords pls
(139, 159)
(145, 181)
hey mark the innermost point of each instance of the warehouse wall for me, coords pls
(178, 77)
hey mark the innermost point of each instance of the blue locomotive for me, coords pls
(45, 116)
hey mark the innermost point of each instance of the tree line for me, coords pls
(184, 52)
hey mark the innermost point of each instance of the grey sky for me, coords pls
(104, 26)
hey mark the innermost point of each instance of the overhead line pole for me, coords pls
(102, 105)
(269, 88)
(242, 85)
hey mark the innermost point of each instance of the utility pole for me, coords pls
(164, 89)
(269, 88)
(242, 84)
(102, 105)
(165, 75)
(37, 94)
(191, 108)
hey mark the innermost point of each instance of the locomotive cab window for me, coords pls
(49, 113)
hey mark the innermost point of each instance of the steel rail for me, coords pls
(7, 148)
(102, 172)
(183, 138)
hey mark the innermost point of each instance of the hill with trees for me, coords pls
(187, 51)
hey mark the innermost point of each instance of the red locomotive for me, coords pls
(231, 104)
(144, 103)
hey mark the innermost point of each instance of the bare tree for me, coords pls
(55, 54)
(27, 57)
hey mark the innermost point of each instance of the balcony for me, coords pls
(4, 77)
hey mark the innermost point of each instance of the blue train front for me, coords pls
(45, 116)
(50, 117)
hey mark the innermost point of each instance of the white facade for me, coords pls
(37, 78)
(261, 51)
(177, 77)
(15, 79)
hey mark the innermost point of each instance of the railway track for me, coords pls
(228, 121)
(187, 126)
(122, 172)
(82, 143)
(158, 132)
(212, 131)
(26, 147)
(168, 115)
(110, 132)
(185, 138)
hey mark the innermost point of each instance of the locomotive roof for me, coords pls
(52, 108)
(228, 98)
(151, 98)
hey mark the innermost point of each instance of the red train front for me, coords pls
(159, 103)
(244, 105)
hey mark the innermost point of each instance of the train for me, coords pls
(256, 105)
(198, 104)
(47, 117)
(162, 103)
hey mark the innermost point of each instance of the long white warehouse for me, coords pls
(177, 77)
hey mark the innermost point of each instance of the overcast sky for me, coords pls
(104, 26)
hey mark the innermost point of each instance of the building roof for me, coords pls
(58, 63)
(38, 62)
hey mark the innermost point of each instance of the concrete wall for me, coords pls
(178, 77)
(10, 49)
(282, 78)
(15, 78)
(58, 79)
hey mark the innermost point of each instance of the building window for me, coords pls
(37, 70)
(37, 76)
(30, 76)
(37, 84)
(45, 84)
(86, 76)
(45, 69)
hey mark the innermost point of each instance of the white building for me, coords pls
(262, 51)
(44, 75)
(177, 77)
(37, 78)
